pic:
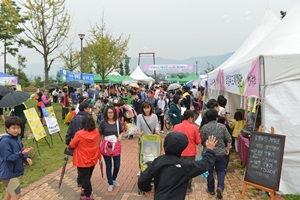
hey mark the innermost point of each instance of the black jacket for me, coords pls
(74, 126)
(171, 173)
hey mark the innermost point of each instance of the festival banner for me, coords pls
(51, 120)
(67, 76)
(35, 124)
(242, 79)
(168, 67)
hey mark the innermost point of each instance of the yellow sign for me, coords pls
(35, 124)
(18, 87)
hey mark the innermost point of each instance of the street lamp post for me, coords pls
(197, 68)
(81, 36)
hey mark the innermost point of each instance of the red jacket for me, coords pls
(86, 148)
(191, 131)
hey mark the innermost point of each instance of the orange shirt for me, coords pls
(86, 148)
(191, 131)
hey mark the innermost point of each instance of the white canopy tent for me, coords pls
(272, 69)
(140, 76)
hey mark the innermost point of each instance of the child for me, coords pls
(148, 156)
(238, 124)
(171, 173)
(12, 155)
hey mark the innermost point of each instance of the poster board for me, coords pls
(265, 160)
(51, 120)
(35, 124)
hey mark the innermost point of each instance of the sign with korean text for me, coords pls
(35, 124)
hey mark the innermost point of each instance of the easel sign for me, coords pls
(51, 121)
(264, 164)
(36, 126)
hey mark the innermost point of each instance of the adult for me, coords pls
(1, 112)
(65, 103)
(45, 101)
(74, 98)
(212, 104)
(218, 130)
(86, 153)
(147, 122)
(162, 105)
(186, 100)
(195, 92)
(19, 112)
(222, 101)
(175, 110)
(171, 174)
(129, 98)
(191, 131)
(150, 99)
(75, 125)
(55, 95)
(109, 127)
(137, 103)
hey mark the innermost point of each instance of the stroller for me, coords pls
(150, 147)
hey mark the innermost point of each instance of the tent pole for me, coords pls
(262, 87)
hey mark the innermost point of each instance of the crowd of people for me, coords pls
(113, 108)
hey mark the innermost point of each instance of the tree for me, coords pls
(127, 68)
(50, 24)
(210, 67)
(104, 51)
(121, 69)
(283, 14)
(71, 60)
(10, 19)
(38, 81)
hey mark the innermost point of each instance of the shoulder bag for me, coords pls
(110, 146)
(149, 126)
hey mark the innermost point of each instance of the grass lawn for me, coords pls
(50, 160)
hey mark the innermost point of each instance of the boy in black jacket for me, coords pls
(171, 173)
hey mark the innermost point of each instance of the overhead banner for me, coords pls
(35, 124)
(51, 120)
(173, 67)
(8, 80)
(67, 76)
(242, 79)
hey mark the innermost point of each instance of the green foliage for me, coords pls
(127, 68)
(283, 14)
(210, 67)
(121, 69)
(291, 197)
(10, 19)
(49, 27)
(105, 52)
(71, 60)
(38, 81)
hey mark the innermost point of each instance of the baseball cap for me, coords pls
(162, 94)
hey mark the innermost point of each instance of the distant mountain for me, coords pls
(202, 61)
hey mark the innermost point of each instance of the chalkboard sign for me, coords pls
(265, 159)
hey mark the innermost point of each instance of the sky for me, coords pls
(173, 29)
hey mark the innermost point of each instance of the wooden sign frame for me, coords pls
(272, 191)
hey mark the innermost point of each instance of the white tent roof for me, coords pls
(139, 75)
(268, 23)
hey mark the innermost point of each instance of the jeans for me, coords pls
(86, 174)
(79, 179)
(191, 158)
(220, 167)
(108, 163)
(64, 112)
(162, 122)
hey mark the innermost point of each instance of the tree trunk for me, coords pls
(46, 72)
(4, 56)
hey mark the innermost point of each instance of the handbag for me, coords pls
(110, 146)
(158, 111)
(131, 129)
(149, 126)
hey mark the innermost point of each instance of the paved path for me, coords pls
(46, 188)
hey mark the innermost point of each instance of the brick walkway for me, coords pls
(46, 188)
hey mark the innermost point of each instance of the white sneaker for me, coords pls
(110, 188)
(116, 183)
